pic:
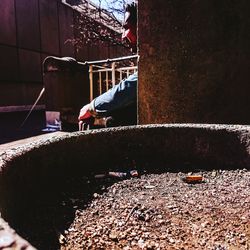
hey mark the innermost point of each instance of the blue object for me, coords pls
(119, 97)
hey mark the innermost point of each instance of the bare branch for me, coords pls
(96, 24)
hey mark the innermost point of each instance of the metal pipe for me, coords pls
(100, 82)
(91, 81)
(120, 75)
(113, 74)
(102, 70)
(110, 60)
(94, 68)
(107, 80)
(128, 68)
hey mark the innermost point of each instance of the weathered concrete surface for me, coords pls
(27, 171)
(20, 142)
(194, 61)
(9, 239)
(164, 146)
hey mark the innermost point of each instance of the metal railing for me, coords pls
(104, 74)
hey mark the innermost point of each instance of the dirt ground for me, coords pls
(153, 211)
(161, 211)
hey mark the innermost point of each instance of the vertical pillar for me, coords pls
(194, 61)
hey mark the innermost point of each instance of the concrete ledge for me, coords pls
(10, 240)
(39, 166)
(8, 109)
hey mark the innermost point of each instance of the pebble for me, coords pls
(195, 209)
(113, 235)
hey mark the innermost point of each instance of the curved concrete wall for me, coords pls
(42, 165)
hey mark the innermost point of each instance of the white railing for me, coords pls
(104, 74)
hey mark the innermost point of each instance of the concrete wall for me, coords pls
(170, 147)
(31, 30)
(194, 61)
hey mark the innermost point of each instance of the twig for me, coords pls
(130, 213)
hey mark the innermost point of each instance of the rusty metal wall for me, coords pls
(31, 30)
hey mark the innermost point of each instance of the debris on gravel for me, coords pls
(162, 211)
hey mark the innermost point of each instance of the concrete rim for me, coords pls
(214, 144)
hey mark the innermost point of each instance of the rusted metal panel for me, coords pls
(7, 22)
(9, 70)
(66, 30)
(28, 26)
(49, 27)
(30, 65)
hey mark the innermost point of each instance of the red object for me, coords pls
(84, 113)
(193, 178)
(130, 35)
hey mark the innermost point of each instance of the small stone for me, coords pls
(149, 186)
(95, 195)
(123, 235)
(214, 173)
(141, 243)
(62, 239)
(171, 240)
(113, 235)
(161, 221)
(126, 248)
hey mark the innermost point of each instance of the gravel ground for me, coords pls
(161, 211)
